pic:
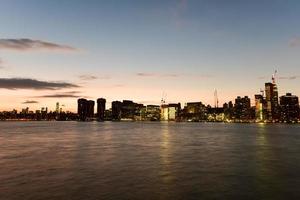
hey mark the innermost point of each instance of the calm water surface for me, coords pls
(72, 160)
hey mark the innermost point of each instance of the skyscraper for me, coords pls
(289, 105)
(228, 109)
(242, 108)
(259, 107)
(90, 108)
(100, 109)
(128, 109)
(82, 109)
(272, 106)
(57, 107)
(85, 109)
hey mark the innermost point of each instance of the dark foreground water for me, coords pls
(72, 160)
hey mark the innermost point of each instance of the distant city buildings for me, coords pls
(267, 107)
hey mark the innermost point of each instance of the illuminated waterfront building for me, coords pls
(215, 114)
(289, 108)
(228, 109)
(152, 113)
(194, 111)
(272, 106)
(170, 112)
(164, 112)
(259, 107)
(242, 108)
(127, 109)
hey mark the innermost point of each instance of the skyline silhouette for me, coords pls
(143, 50)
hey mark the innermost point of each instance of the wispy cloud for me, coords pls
(70, 94)
(25, 44)
(172, 75)
(294, 42)
(87, 77)
(143, 74)
(27, 83)
(288, 77)
(30, 102)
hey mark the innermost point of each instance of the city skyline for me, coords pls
(268, 108)
(178, 50)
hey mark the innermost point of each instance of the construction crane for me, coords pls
(274, 77)
(163, 99)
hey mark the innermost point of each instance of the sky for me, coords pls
(179, 50)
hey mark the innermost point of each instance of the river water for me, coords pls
(151, 160)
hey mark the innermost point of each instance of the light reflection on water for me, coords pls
(70, 160)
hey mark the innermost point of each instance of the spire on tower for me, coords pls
(216, 98)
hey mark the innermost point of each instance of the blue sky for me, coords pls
(140, 49)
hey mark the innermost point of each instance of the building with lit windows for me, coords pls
(259, 107)
(170, 112)
(289, 108)
(242, 109)
(272, 105)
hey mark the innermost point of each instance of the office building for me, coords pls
(100, 109)
(85, 109)
(194, 111)
(170, 112)
(259, 107)
(242, 108)
(116, 107)
(289, 108)
(272, 106)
